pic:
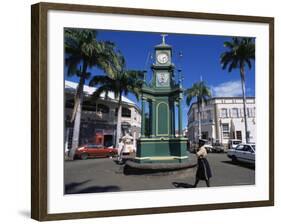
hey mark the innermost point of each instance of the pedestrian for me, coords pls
(120, 150)
(203, 168)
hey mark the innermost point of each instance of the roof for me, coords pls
(89, 90)
(231, 97)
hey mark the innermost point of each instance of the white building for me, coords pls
(99, 118)
(222, 119)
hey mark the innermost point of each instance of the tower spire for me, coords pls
(163, 38)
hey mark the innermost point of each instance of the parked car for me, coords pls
(218, 148)
(194, 147)
(233, 143)
(243, 153)
(209, 148)
(94, 151)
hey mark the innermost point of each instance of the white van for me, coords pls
(232, 144)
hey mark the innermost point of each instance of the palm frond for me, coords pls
(101, 80)
(99, 91)
(198, 90)
(240, 51)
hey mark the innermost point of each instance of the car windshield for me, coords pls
(236, 142)
(240, 147)
(254, 147)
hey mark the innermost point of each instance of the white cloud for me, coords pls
(231, 88)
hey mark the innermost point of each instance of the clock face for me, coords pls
(162, 58)
(163, 79)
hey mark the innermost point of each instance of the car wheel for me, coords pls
(111, 154)
(234, 159)
(84, 156)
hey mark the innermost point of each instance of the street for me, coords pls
(104, 175)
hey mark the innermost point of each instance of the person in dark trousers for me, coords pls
(203, 168)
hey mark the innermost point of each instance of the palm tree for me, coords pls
(201, 92)
(121, 83)
(82, 52)
(240, 53)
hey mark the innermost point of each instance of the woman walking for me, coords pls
(203, 168)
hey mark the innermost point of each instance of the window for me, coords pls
(248, 148)
(225, 130)
(240, 147)
(251, 112)
(226, 134)
(241, 112)
(205, 135)
(103, 108)
(125, 112)
(235, 112)
(239, 135)
(224, 112)
(225, 127)
(89, 106)
(208, 115)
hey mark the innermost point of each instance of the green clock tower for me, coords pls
(159, 142)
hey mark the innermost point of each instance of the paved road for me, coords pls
(104, 175)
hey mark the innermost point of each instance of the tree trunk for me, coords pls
(119, 121)
(77, 119)
(199, 120)
(242, 74)
(78, 111)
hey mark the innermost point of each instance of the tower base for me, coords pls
(162, 150)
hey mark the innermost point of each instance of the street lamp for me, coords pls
(221, 129)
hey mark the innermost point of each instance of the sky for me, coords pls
(200, 60)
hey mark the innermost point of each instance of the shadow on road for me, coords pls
(98, 189)
(75, 188)
(241, 164)
(70, 187)
(182, 185)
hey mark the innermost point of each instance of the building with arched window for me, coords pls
(222, 119)
(99, 117)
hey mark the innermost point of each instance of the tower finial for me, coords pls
(163, 38)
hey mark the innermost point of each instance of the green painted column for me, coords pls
(153, 119)
(180, 117)
(172, 118)
(142, 117)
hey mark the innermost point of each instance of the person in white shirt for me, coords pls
(203, 168)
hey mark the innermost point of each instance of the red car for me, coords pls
(94, 151)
